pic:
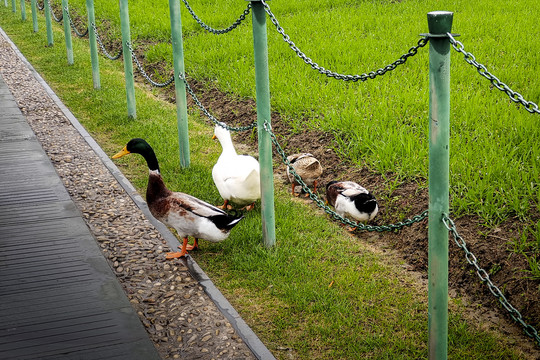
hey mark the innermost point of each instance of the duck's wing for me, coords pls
(236, 169)
(186, 202)
(349, 188)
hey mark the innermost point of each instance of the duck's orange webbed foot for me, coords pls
(195, 246)
(182, 253)
(248, 207)
(293, 193)
(224, 206)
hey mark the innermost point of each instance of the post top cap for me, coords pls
(440, 22)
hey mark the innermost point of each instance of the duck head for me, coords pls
(140, 146)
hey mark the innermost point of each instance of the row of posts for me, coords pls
(261, 80)
(439, 24)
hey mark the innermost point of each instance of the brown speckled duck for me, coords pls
(187, 214)
(307, 167)
(351, 200)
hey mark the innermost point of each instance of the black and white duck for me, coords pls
(351, 200)
(185, 213)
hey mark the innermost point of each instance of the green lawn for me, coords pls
(320, 292)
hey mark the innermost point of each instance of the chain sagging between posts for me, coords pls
(482, 70)
(484, 277)
(363, 77)
(98, 39)
(73, 25)
(207, 113)
(53, 15)
(144, 74)
(235, 24)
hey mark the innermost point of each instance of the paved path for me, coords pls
(58, 296)
(51, 256)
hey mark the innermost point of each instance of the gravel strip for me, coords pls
(179, 316)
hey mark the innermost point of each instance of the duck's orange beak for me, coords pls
(214, 137)
(121, 153)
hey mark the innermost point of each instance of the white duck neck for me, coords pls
(226, 143)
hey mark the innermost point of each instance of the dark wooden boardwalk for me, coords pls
(59, 299)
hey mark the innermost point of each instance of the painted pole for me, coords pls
(439, 23)
(48, 22)
(179, 85)
(263, 115)
(67, 32)
(93, 44)
(128, 62)
(13, 6)
(33, 6)
(23, 11)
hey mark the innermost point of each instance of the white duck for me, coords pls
(351, 200)
(237, 177)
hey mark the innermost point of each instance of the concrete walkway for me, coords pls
(59, 299)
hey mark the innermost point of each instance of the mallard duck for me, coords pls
(307, 167)
(351, 200)
(237, 177)
(185, 213)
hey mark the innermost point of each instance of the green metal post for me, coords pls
(93, 44)
(13, 6)
(33, 6)
(263, 115)
(128, 62)
(23, 11)
(48, 22)
(179, 85)
(439, 23)
(67, 31)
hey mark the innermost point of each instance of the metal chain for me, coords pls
(218, 31)
(327, 209)
(73, 25)
(207, 113)
(366, 76)
(54, 16)
(143, 73)
(484, 277)
(482, 70)
(103, 46)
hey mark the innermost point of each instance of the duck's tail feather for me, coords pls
(226, 222)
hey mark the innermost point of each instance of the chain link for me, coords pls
(484, 277)
(366, 76)
(143, 73)
(207, 113)
(98, 39)
(482, 70)
(73, 25)
(54, 16)
(218, 31)
(327, 209)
